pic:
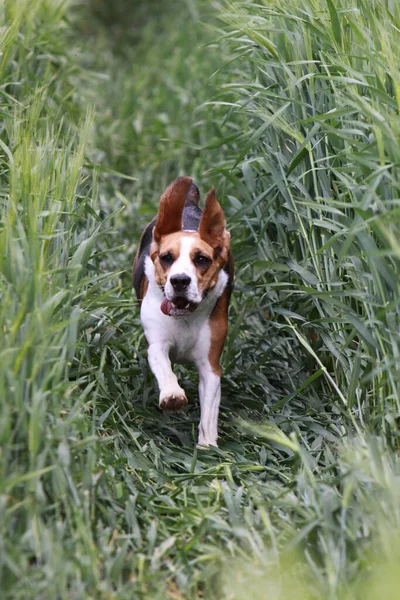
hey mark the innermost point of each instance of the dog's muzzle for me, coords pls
(178, 307)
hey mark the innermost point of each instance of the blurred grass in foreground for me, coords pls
(292, 112)
(367, 499)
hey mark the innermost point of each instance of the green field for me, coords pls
(291, 110)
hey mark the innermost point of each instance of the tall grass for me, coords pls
(319, 83)
(291, 111)
(49, 228)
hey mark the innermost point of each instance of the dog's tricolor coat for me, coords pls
(183, 275)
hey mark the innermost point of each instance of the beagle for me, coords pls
(183, 277)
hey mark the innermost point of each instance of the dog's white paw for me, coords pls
(173, 400)
(204, 443)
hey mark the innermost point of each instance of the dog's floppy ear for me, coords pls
(172, 201)
(212, 225)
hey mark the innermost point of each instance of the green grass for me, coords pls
(292, 112)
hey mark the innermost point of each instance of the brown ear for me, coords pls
(212, 224)
(172, 201)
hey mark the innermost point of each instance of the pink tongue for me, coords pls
(166, 306)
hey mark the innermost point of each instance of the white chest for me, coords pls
(186, 338)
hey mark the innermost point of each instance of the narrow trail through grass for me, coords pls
(292, 112)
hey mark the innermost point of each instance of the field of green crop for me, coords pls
(291, 110)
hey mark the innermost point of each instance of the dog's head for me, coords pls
(187, 263)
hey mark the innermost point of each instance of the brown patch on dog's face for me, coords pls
(164, 254)
(207, 268)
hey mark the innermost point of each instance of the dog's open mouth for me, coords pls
(178, 307)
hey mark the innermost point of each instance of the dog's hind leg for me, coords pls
(210, 373)
(210, 397)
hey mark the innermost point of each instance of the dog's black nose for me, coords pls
(180, 282)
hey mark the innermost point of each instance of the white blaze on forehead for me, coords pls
(184, 265)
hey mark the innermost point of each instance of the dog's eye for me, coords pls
(201, 261)
(167, 259)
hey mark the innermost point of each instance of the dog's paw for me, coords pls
(203, 444)
(173, 401)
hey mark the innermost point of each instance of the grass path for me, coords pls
(293, 116)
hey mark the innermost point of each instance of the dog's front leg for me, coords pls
(172, 396)
(210, 397)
